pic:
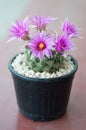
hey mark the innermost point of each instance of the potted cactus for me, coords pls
(44, 71)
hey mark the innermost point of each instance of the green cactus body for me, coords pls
(49, 65)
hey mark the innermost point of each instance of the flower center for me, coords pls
(41, 46)
(62, 45)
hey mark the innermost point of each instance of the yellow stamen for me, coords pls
(41, 46)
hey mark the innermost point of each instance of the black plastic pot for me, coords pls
(43, 99)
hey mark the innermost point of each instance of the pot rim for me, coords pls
(42, 79)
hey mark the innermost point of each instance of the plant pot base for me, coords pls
(42, 118)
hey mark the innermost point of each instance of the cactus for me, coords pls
(47, 64)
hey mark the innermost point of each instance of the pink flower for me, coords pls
(20, 29)
(40, 22)
(41, 45)
(63, 44)
(69, 29)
